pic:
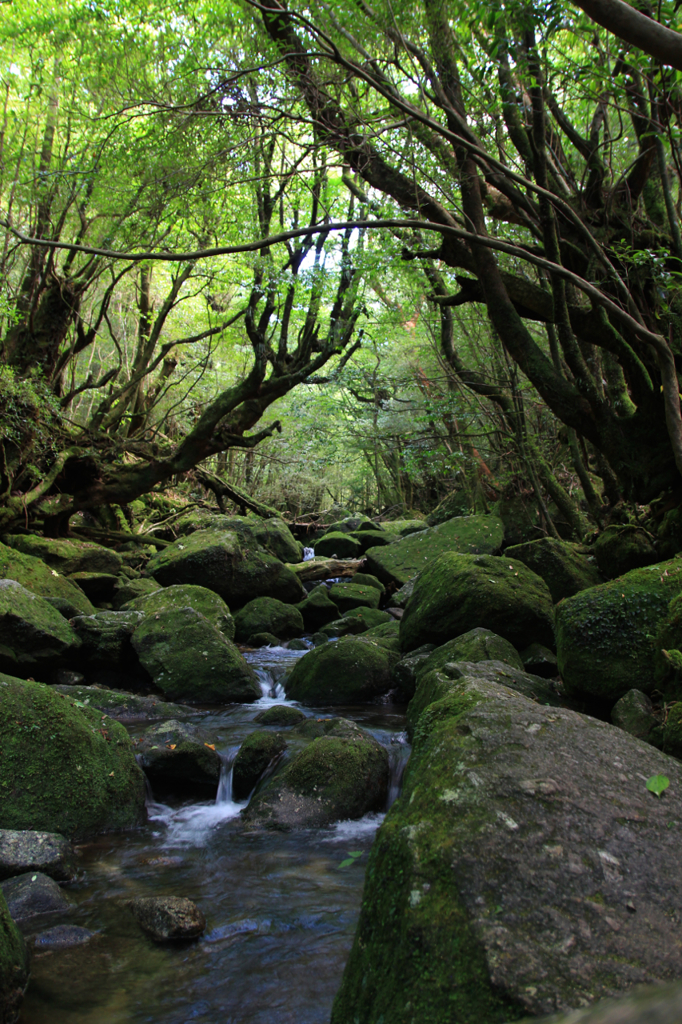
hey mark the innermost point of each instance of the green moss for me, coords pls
(67, 556)
(619, 549)
(336, 544)
(280, 715)
(349, 671)
(668, 736)
(34, 637)
(268, 615)
(365, 579)
(64, 769)
(477, 645)
(256, 753)
(388, 628)
(202, 600)
(348, 596)
(318, 609)
(565, 570)
(14, 965)
(33, 574)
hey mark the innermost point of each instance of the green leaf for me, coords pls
(346, 863)
(358, 853)
(657, 784)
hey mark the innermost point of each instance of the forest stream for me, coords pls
(281, 909)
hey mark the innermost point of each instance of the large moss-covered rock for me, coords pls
(347, 596)
(268, 615)
(605, 635)
(318, 609)
(64, 768)
(634, 713)
(365, 579)
(281, 715)
(622, 548)
(225, 562)
(275, 535)
(371, 538)
(200, 599)
(34, 637)
(668, 641)
(349, 671)
(478, 644)
(338, 545)
(363, 619)
(67, 556)
(177, 757)
(343, 774)
(124, 707)
(565, 570)
(33, 574)
(106, 640)
(524, 868)
(126, 590)
(189, 659)
(457, 503)
(256, 754)
(399, 562)
(456, 593)
(14, 967)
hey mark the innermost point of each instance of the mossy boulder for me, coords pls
(520, 517)
(565, 570)
(34, 637)
(318, 608)
(177, 758)
(280, 715)
(388, 628)
(67, 556)
(225, 562)
(268, 615)
(127, 590)
(349, 671)
(15, 965)
(495, 886)
(404, 677)
(124, 707)
(478, 644)
(106, 641)
(363, 619)
(667, 735)
(338, 545)
(33, 574)
(457, 503)
(64, 768)
(200, 599)
(365, 579)
(371, 538)
(98, 587)
(634, 713)
(622, 548)
(348, 596)
(340, 775)
(189, 659)
(650, 1004)
(263, 640)
(403, 527)
(539, 660)
(275, 536)
(257, 753)
(605, 636)
(400, 561)
(456, 593)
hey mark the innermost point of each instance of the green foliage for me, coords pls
(657, 784)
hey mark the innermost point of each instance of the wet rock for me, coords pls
(540, 661)
(256, 754)
(67, 556)
(342, 774)
(349, 596)
(124, 707)
(338, 545)
(263, 640)
(175, 598)
(189, 659)
(224, 562)
(620, 549)
(399, 562)
(62, 936)
(177, 757)
(168, 918)
(359, 620)
(14, 967)
(64, 768)
(350, 671)
(319, 639)
(47, 852)
(456, 593)
(34, 895)
(634, 713)
(268, 615)
(659, 1004)
(477, 645)
(97, 586)
(564, 568)
(404, 676)
(529, 859)
(280, 715)
(34, 637)
(604, 635)
(298, 645)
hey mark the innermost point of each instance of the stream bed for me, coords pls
(281, 911)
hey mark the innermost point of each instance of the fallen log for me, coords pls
(326, 568)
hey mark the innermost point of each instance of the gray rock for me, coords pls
(106, 640)
(34, 894)
(47, 852)
(125, 707)
(540, 661)
(168, 918)
(176, 756)
(649, 1005)
(634, 713)
(62, 936)
(404, 675)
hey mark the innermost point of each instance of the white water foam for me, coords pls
(308, 554)
(190, 825)
(344, 831)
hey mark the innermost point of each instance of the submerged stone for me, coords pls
(168, 918)
(62, 936)
(34, 895)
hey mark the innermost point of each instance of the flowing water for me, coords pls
(280, 910)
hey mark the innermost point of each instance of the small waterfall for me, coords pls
(398, 754)
(224, 794)
(308, 554)
(267, 682)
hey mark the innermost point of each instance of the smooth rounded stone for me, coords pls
(368, 526)
(124, 707)
(280, 715)
(349, 596)
(338, 545)
(47, 852)
(634, 713)
(360, 620)
(189, 659)
(399, 562)
(129, 590)
(224, 562)
(62, 936)
(168, 918)
(175, 598)
(540, 661)
(33, 574)
(297, 645)
(619, 549)
(349, 671)
(67, 556)
(603, 635)
(365, 579)
(529, 858)
(337, 628)
(272, 534)
(268, 615)
(318, 609)
(477, 645)
(34, 637)
(259, 751)
(370, 539)
(263, 640)
(319, 639)
(15, 963)
(651, 1004)
(177, 757)
(342, 774)
(33, 895)
(388, 628)
(457, 593)
(404, 676)
(106, 640)
(97, 586)
(564, 568)
(64, 768)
